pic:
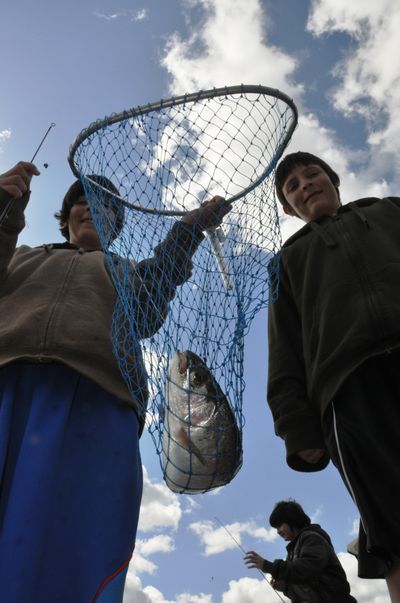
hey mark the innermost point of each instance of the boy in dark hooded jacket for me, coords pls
(312, 572)
(334, 342)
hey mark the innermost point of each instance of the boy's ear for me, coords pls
(288, 209)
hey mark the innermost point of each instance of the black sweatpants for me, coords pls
(362, 433)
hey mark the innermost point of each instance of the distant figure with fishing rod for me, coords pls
(312, 572)
(334, 350)
(71, 474)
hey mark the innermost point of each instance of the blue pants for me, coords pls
(70, 489)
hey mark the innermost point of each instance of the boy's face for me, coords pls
(82, 231)
(310, 193)
(286, 532)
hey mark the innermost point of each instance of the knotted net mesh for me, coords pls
(185, 299)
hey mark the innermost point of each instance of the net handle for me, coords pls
(180, 100)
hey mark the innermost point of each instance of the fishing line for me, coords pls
(11, 201)
(242, 549)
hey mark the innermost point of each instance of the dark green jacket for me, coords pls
(312, 563)
(338, 304)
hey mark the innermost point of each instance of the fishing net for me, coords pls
(143, 170)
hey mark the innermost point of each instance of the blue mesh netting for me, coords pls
(197, 296)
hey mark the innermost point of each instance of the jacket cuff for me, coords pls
(267, 567)
(14, 220)
(275, 570)
(180, 244)
(298, 464)
(306, 435)
(189, 236)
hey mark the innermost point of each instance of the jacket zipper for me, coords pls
(55, 305)
(365, 282)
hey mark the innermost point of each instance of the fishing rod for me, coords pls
(7, 208)
(242, 549)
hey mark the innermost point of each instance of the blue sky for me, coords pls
(72, 63)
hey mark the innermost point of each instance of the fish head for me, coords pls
(191, 372)
(191, 383)
(187, 367)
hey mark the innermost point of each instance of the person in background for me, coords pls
(311, 573)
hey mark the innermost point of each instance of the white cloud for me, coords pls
(369, 82)
(136, 593)
(191, 504)
(157, 544)
(141, 14)
(340, 15)
(249, 590)
(160, 507)
(187, 598)
(141, 565)
(157, 597)
(227, 48)
(4, 134)
(218, 539)
(133, 15)
(107, 17)
(161, 543)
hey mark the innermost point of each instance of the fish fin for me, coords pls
(184, 440)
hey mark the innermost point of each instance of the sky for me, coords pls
(74, 62)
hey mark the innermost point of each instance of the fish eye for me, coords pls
(197, 377)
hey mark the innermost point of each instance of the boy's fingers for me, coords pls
(25, 169)
(13, 191)
(312, 455)
(217, 200)
(15, 184)
(17, 180)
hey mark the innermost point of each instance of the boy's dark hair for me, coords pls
(289, 162)
(290, 512)
(77, 190)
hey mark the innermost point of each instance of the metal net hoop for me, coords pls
(221, 140)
